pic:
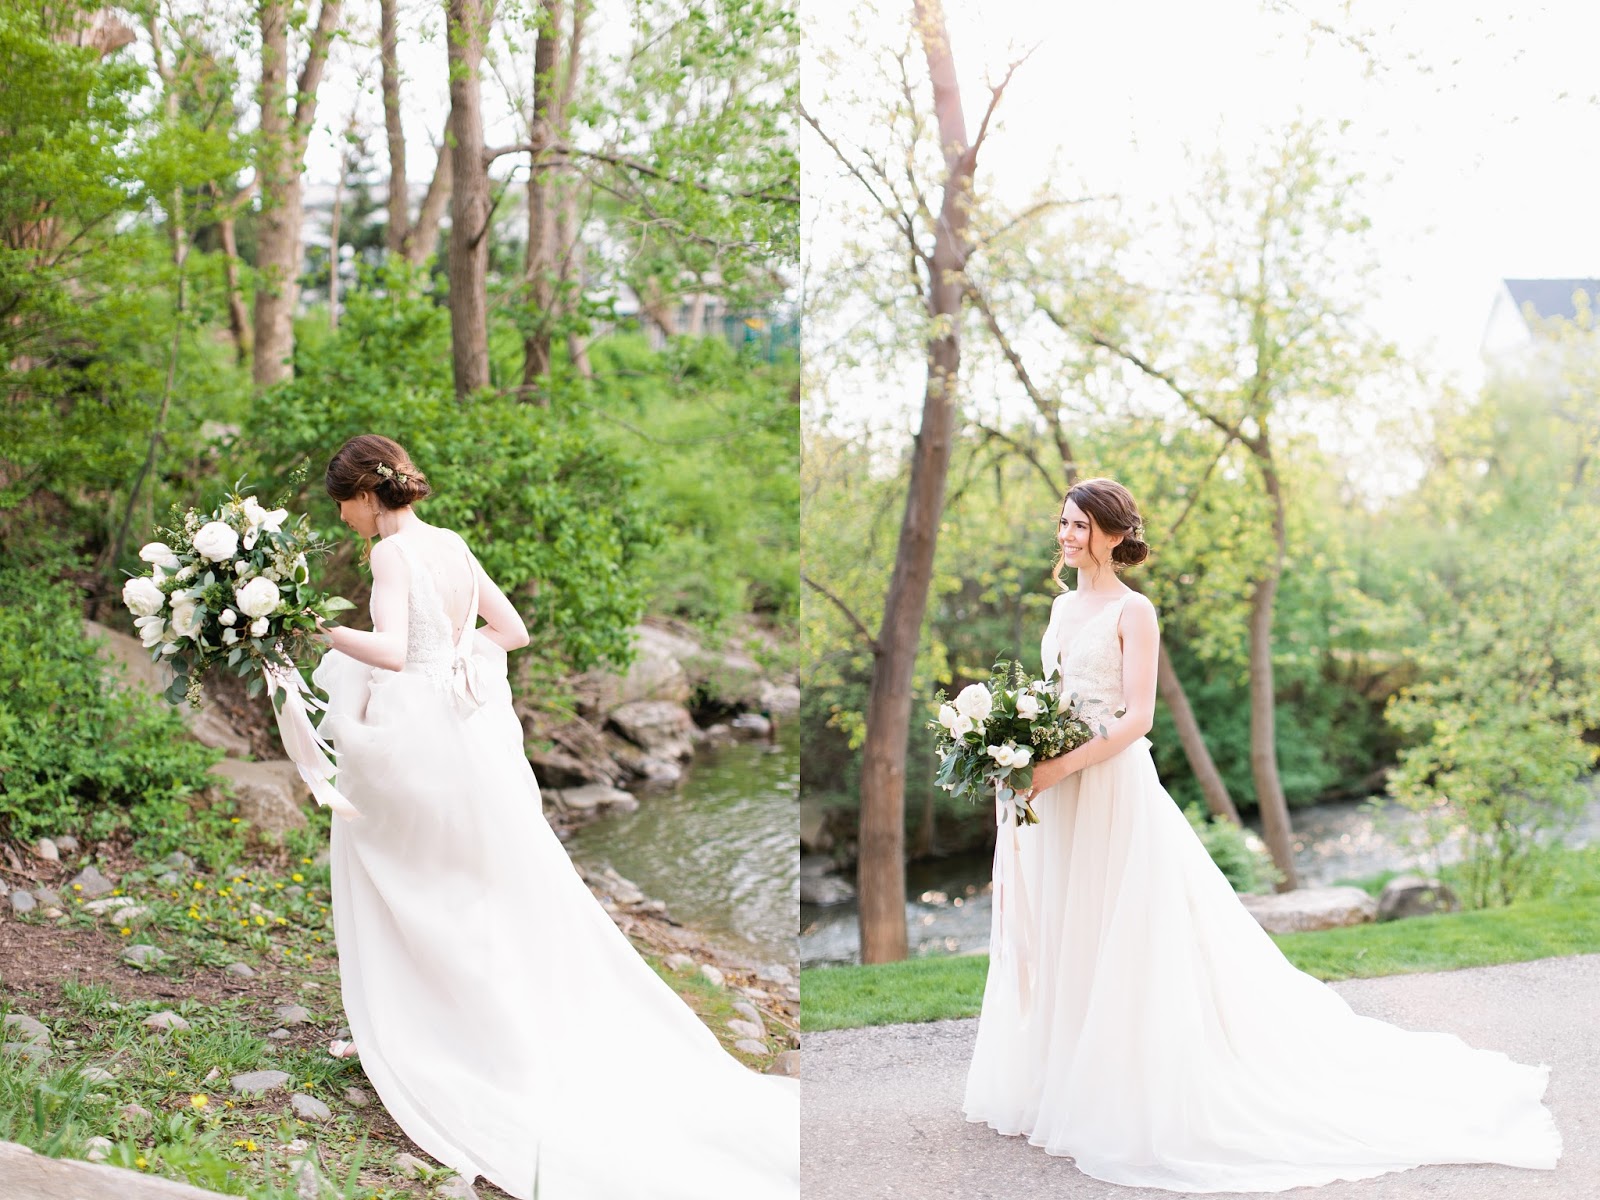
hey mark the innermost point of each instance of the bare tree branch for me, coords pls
(1048, 412)
(857, 622)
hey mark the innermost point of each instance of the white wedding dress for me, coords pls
(507, 1024)
(1154, 1033)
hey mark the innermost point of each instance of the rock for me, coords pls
(815, 836)
(280, 1035)
(779, 699)
(1415, 896)
(270, 795)
(357, 1097)
(455, 1188)
(1311, 908)
(307, 1179)
(22, 902)
(53, 913)
(661, 729)
(46, 849)
(90, 884)
(787, 1063)
(98, 1075)
(214, 1073)
(411, 1166)
(826, 890)
(242, 970)
(678, 962)
(66, 843)
(134, 669)
(294, 891)
(25, 1175)
(134, 914)
(97, 1149)
(776, 973)
(291, 1014)
(711, 975)
(169, 879)
(165, 1020)
(179, 861)
(109, 904)
(624, 891)
(28, 1029)
(747, 1046)
(656, 673)
(133, 1112)
(309, 1108)
(746, 1029)
(47, 896)
(590, 798)
(257, 1083)
(142, 956)
(752, 1014)
(35, 1052)
(752, 725)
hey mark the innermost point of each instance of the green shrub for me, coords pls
(1247, 869)
(77, 754)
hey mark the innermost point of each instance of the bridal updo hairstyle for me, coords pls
(1111, 507)
(354, 469)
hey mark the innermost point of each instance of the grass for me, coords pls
(274, 916)
(1566, 920)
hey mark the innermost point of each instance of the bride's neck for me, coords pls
(397, 520)
(1101, 584)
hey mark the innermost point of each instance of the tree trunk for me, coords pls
(238, 317)
(333, 247)
(399, 200)
(422, 238)
(278, 239)
(1212, 787)
(881, 877)
(469, 201)
(1275, 825)
(567, 227)
(540, 264)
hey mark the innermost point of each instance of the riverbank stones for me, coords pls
(1415, 896)
(258, 1083)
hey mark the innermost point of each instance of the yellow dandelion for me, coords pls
(244, 920)
(297, 877)
(283, 920)
(260, 920)
(141, 1161)
(199, 1101)
(199, 885)
(278, 886)
(116, 891)
(172, 1074)
(233, 820)
(124, 931)
(306, 861)
(77, 887)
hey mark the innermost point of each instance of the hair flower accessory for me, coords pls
(389, 472)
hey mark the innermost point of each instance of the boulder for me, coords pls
(270, 795)
(132, 663)
(1415, 896)
(779, 699)
(256, 1083)
(22, 902)
(661, 729)
(25, 1028)
(30, 1176)
(309, 1108)
(656, 673)
(787, 1063)
(589, 798)
(1311, 908)
(815, 835)
(89, 884)
(825, 890)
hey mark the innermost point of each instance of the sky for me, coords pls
(1477, 122)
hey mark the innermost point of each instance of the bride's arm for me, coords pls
(385, 646)
(1141, 642)
(502, 622)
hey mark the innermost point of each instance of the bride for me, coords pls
(507, 1024)
(1135, 1016)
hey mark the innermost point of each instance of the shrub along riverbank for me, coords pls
(1566, 920)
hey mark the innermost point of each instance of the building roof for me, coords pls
(1552, 297)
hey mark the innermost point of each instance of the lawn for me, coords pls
(1566, 920)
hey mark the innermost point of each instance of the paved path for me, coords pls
(882, 1107)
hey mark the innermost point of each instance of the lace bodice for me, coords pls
(430, 639)
(1092, 664)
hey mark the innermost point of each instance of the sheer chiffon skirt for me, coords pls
(506, 1023)
(1164, 1041)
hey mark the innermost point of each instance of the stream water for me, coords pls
(719, 848)
(947, 910)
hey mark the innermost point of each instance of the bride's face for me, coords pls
(360, 512)
(1074, 531)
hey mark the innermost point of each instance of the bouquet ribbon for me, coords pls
(306, 748)
(1011, 932)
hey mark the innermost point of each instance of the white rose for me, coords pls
(1010, 755)
(187, 573)
(258, 627)
(186, 619)
(256, 598)
(1028, 706)
(160, 554)
(216, 541)
(169, 648)
(152, 630)
(142, 597)
(228, 616)
(948, 716)
(230, 636)
(975, 702)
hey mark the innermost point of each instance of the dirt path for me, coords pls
(881, 1108)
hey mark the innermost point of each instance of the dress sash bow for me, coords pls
(306, 748)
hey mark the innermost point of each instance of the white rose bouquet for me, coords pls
(991, 735)
(230, 586)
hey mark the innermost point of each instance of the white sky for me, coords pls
(1480, 129)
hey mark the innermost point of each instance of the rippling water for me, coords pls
(720, 849)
